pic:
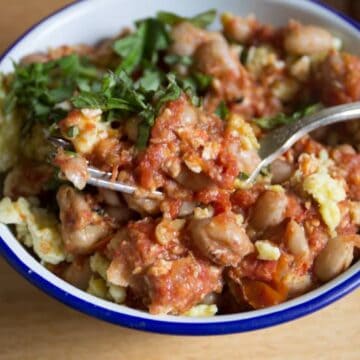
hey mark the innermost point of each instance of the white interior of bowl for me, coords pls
(91, 20)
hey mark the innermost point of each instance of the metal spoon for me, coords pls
(281, 139)
(102, 179)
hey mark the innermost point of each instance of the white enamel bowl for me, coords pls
(88, 21)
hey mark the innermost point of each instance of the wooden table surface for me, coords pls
(34, 326)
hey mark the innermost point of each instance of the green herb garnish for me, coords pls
(270, 122)
(149, 38)
(243, 176)
(203, 81)
(201, 20)
(37, 88)
(222, 110)
(150, 81)
(172, 92)
(120, 94)
(73, 131)
(173, 59)
(143, 135)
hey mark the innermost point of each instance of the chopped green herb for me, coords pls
(119, 93)
(124, 88)
(202, 81)
(243, 176)
(195, 85)
(161, 97)
(195, 100)
(144, 44)
(99, 101)
(202, 20)
(222, 111)
(265, 172)
(148, 115)
(143, 135)
(190, 88)
(172, 92)
(70, 153)
(130, 48)
(173, 59)
(37, 88)
(73, 131)
(244, 55)
(269, 122)
(150, 81)
(169, 18)
(156, 39)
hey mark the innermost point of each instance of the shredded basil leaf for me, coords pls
(201, 20)
(244, 55)
(130, 48)
(222, 110)
(194, 85)
(270, 122)
(73, 131)
(156, 39)
(98, 101)
(172, 92)
(143, 135)
(204, 19)
(203, 81)
(145, 98)
(150, 81)
(117, 93)
(173, 59)
(149, 38)
(243, 176)
(37, 88)
(195, 100)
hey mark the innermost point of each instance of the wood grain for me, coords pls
(34, 326)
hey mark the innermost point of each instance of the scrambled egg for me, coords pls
(301, 67)
(36, 227)
(285, 89)
(23, 235)
(327, 192)
(99, 286)
(99, 264)
(117, 293)
(240, 128)
(261, 57)
(276, 188)
(90, 129)
(267, 251)
(203, 213)
(202, 310)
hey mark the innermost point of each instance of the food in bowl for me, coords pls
(174, 107)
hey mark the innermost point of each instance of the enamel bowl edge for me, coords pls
(88, 21)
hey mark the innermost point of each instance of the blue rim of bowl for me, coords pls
(168, 327)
